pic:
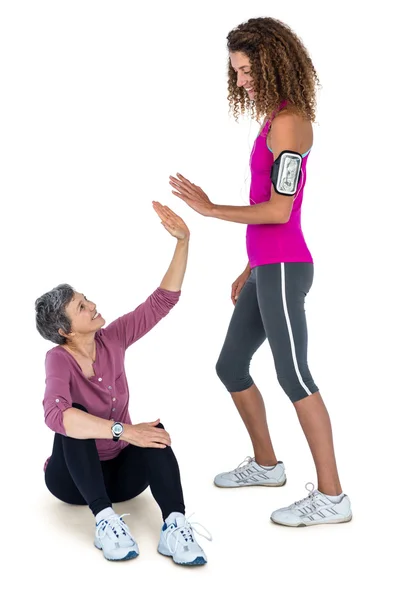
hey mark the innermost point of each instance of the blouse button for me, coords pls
(113, 409)
(100, 379)
(110, 387)
(114, 399)
(57, 400)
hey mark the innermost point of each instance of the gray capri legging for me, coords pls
(270, 305)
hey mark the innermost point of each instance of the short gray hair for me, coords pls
(50, 313)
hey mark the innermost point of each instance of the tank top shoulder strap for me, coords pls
(268, 124)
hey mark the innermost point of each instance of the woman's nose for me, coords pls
(241, 80)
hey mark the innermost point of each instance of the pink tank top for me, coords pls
(274, 243)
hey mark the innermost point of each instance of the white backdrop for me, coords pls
(100, 103)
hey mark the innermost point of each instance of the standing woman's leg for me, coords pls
(244, 336)
(282, 289)
(316, 424)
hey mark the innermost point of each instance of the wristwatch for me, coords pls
(117, 430)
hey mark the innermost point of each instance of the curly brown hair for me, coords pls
(281, 69)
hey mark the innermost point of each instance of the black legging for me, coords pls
(76, 475)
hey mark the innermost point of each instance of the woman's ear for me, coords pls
(66, 335)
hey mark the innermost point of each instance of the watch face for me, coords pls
(117, 429)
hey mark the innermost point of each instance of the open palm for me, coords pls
(172, 222)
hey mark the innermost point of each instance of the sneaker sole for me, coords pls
(280, 484)
(197, 562)
(336, 522)
(132, 554)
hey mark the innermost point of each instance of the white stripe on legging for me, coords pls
(292, 346)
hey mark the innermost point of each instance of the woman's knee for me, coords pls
(235, 377)
(225, 369)
(221, 369)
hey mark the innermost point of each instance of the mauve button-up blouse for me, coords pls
(105, 395)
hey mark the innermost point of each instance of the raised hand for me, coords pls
(192, 194)
(172, 222)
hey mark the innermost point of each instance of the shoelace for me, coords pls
(186, 530)
(245, 463)
(310, 499)
(113, 522)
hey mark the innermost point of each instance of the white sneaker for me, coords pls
(251, 473)
(115, 539)
(315, 509)
(177, 540)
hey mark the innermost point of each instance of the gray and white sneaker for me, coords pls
(249, 472)
(315, 509)
(115, 539)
